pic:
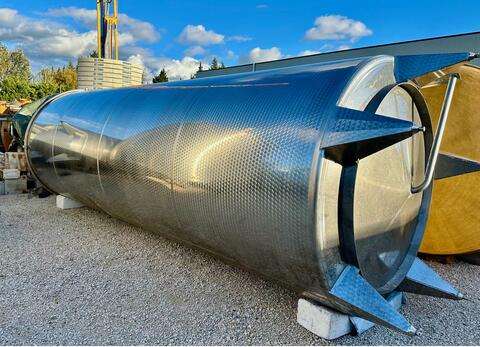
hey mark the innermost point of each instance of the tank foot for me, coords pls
(449, 165)
(423, 280)
(355, 296)
(331, 324)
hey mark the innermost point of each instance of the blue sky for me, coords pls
(178, 34)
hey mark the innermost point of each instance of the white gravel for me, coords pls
(82, 277)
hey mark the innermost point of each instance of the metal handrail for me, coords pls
(432, 159)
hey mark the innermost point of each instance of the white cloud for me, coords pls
(343, 47)
(7, 16)
(176, 68)
(197, 34)
(239, 38)
(195, 50)
(49, 43)
(307, 52)
(262, 6)
(42, 39)
(258, 54)
(87, 17)
(335, 27)
(68, 46)
(139, 30)
(231, 54)
(15, 27)
(324, 49)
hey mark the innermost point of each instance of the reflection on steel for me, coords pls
(437, 141)
(254, 167)
(208, 149)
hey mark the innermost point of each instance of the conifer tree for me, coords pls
(161, 77)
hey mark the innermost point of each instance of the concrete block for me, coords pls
(322, 321)
(331, 324)
(66, 203)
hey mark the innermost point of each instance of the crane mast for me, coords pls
(107, 29)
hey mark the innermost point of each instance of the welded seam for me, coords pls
(53, 152)
(172, 195)
(98, 150)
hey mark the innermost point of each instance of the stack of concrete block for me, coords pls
(99, 73)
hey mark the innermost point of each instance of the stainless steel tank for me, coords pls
(301, 174)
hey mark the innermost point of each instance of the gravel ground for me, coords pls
(82, 277)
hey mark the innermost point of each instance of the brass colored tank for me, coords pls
(453, 225)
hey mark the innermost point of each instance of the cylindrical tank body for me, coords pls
(235, 165)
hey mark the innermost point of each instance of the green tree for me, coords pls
(14, 88)
(71, 76)
(41, 89)
(19, 65)
(14, 64)
(222, 65)
(4, 62)
(214, 64)
(161, 77)
(64, 78)
(16, 83)
(94, 54)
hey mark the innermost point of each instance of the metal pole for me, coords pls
(99, 33)
(111, 39)
(437, 141)
(115, 15)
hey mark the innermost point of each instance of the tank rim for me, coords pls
(424, 208)
(29, 128)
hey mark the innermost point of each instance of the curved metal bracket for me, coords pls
(437, 141)
(346, 200)
(426, 126)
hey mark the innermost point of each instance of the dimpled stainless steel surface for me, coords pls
(234, 165)
(222, 164)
